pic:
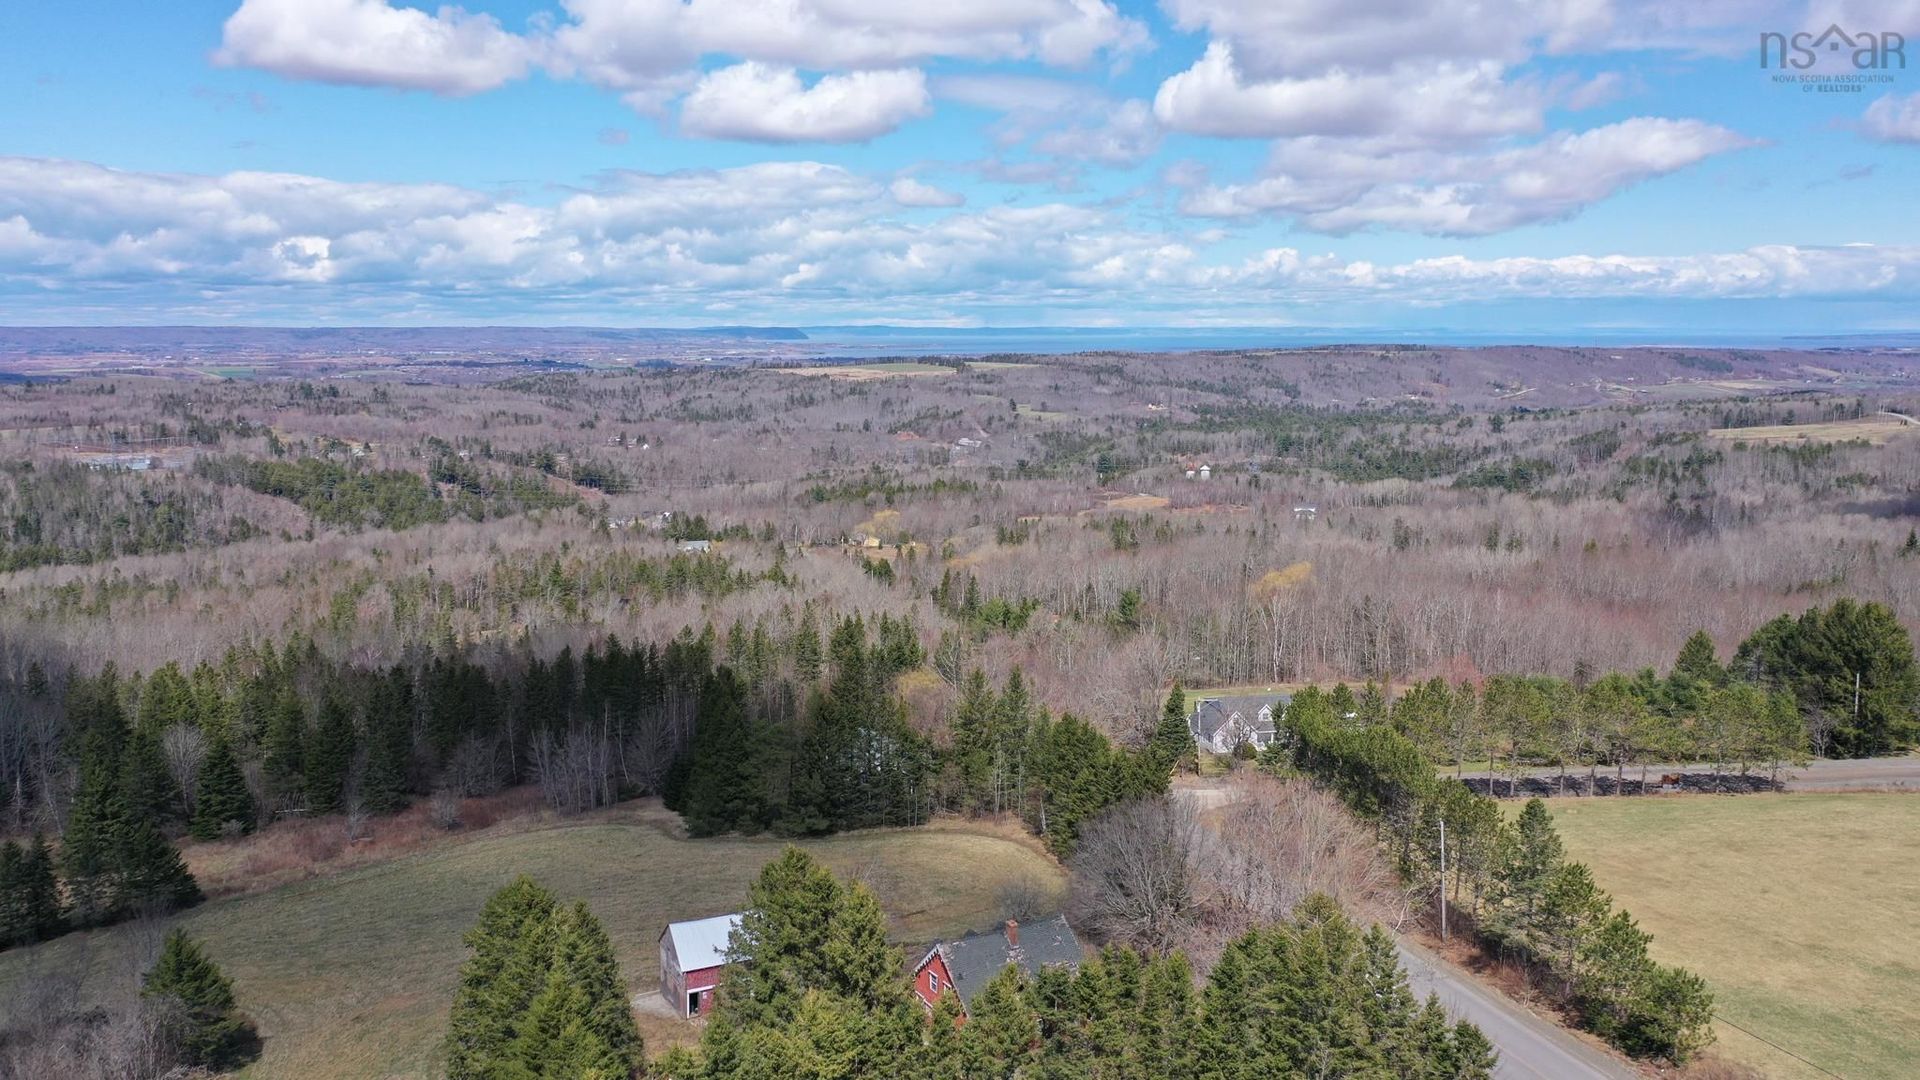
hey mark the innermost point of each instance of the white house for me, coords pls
(1220, 724)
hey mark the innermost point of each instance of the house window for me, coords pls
(933, 982)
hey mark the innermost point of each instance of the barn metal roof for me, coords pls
(702, 943)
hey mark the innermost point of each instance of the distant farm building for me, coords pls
(1223, 724)
(696, 547)
(692, 954)
(1206, 472)
(968, 964)
(1305, 513)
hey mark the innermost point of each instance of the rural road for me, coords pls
(1888, 773)
(1531, 1047)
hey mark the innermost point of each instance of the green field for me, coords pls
(1799, 909)
(351, 976)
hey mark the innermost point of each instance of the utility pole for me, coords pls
(1443, 879)
(1856, 697)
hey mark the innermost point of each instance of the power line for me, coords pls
(1777, 1046)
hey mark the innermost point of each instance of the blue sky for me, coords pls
(1499, 164)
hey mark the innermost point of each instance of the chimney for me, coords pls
(1013, 934)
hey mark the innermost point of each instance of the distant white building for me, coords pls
(1206, 472)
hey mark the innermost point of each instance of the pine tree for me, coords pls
(285, 743)
(152, 873)
(1173, 739)
(199, 999)
(384, 789)
(328, 758)
(88, 854)
(145, 783)
(498, 981)
(1001, 1030)
(726, 786)
(15, 924)
(579, 1024)
(222, 803)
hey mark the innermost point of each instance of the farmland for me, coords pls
(352, 975)
(1798, 909)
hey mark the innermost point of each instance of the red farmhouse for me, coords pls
(969, 963)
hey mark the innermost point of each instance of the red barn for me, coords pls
(965, 965)
(691, 956)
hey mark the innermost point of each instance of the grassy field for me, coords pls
(1799, 909)
(1871, 429)
(351, 975)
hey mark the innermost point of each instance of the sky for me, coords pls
(1563, 166)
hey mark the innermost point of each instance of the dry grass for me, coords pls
(1799, 909)
(870, 372)
(1875, 430)
(350, 975)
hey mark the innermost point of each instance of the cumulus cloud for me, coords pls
(1893, 119)
(1434, 102)
(761, 103)
(649, 50)
(779, 240)
(1338, 186)
(372, 43)
(910, 192)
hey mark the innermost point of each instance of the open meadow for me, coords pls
(1799, 909)
(352, 975)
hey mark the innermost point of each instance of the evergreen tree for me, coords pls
(88, 851)
(498, 981)
(1173, 739)
(145, 783)
(328, 755)
(285, 743)
(29, 894)
(389, 740)
(152, 875)
(580, 1023)
(222, 803)
(198, 998)
(726, 784)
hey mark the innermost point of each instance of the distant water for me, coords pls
(884, 341)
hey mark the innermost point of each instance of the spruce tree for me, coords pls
(579, 1024)
(328, 758)
(29, 895)
(153, 876)
(145, 783)
(285, 743)
(199, 999)
(89, 854)
(1173, 739)
(726, 785)
(222, 803)
(499, 980)
(384, 789)
(13, 896)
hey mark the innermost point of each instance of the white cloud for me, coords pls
(1276, 40)
(1893, 119)
(778, 240)
(1444, 101)
(1125, 136)
(372, 43)
(760, 103)
(910, 192)
(1338, 186)
(648, 50)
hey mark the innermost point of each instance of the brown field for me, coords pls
(870, 372)
(1875, 430)
(351, 975)
(1798, 910)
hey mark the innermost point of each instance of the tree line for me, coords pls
(1510, 881)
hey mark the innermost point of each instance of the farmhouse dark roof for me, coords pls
(974, 960)
(1214, 713)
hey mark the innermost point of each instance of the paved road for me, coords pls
(1531, 1047)
(1890, 773)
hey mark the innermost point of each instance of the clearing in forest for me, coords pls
(1799, 909)
(352, 975)
(1871, 429)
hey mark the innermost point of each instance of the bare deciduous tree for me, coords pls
(185, 747)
